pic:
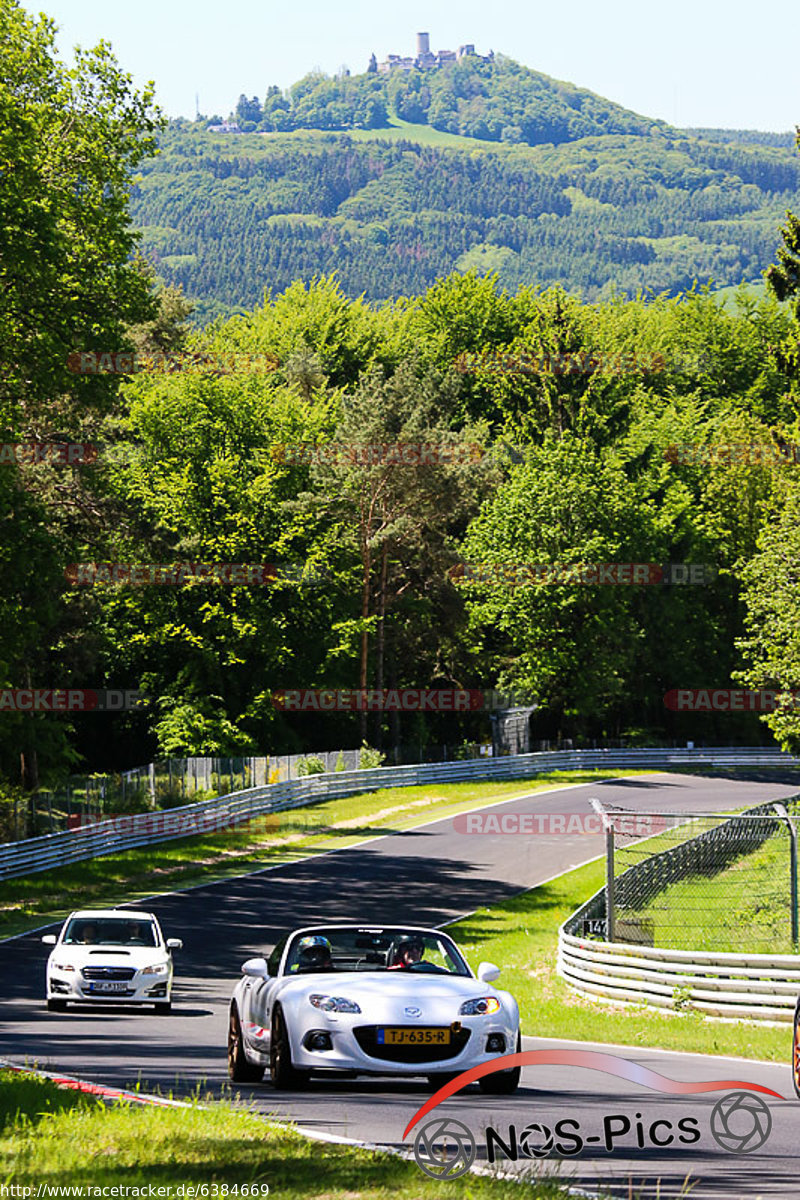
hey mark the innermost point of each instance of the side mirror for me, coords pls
(174, 944)
(49, 939)
(256, 967)
(488, 972)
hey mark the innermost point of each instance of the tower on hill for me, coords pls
(426, 60)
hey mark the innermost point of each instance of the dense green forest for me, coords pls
(498, 100)
(583, 410)
(226, 215)
(394, 180)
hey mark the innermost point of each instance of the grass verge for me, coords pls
(132, 875)
(57, 1139)
(521, 936)
(744, 906)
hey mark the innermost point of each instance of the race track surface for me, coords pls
(429, 875)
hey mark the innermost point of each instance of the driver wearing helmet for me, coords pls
(407, 953)
(313, 954)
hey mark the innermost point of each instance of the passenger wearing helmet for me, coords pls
(407, 952)
(313, 954)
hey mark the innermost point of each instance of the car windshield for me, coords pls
(374, 949)
(110, 931)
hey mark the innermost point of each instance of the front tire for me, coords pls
(57, 1005)
(502, 1083)
(163, 1007)
(283, 1074)
(796, 1051)
(240, 1069)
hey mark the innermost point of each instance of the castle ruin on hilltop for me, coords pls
(426, 60)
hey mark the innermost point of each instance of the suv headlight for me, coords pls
(334, 1003)
(156, 969)
(63, 967)
(484, 1006)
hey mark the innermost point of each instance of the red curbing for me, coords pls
(93, 1089)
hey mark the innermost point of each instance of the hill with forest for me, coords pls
(497, 100)
(559, 436)
(394, 180)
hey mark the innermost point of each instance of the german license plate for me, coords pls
(389, 1035)
(108, 986)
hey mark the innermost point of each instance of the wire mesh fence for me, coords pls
(85, 799)
(718, 882)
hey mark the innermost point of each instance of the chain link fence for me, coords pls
(83, 800)
(699, 881)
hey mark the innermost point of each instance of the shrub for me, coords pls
(312, 764)
(369, 758)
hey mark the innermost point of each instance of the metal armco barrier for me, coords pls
(150, 828)
(761, 987)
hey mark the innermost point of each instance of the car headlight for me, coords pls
(156, 969)
(334, 1003)
(482, 1007)
(63, 967)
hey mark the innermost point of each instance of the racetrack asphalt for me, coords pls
(428, 875)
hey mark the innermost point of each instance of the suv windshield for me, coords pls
(374, 949)
(110, 931)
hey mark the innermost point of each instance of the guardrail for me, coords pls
(761, 987)
(150, 828)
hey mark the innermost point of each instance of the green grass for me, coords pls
(423, 135)
(728, 296)
(284, 837)
(67, 1140)
(397, 130)
(743, 908)
(521, 936)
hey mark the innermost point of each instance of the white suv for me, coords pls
(110, 954)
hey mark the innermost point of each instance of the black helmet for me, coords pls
(408, 946)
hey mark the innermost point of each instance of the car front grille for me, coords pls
(366, 1036)
(108, 972)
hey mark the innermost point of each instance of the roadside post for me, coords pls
(608, 828)
(780, 809)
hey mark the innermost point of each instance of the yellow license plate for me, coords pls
(390, 1036)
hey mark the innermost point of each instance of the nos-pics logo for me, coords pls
(445, 1148)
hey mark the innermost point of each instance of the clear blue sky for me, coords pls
(691, 62)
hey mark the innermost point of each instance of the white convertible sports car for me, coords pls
(116, 954)
(363, 999)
